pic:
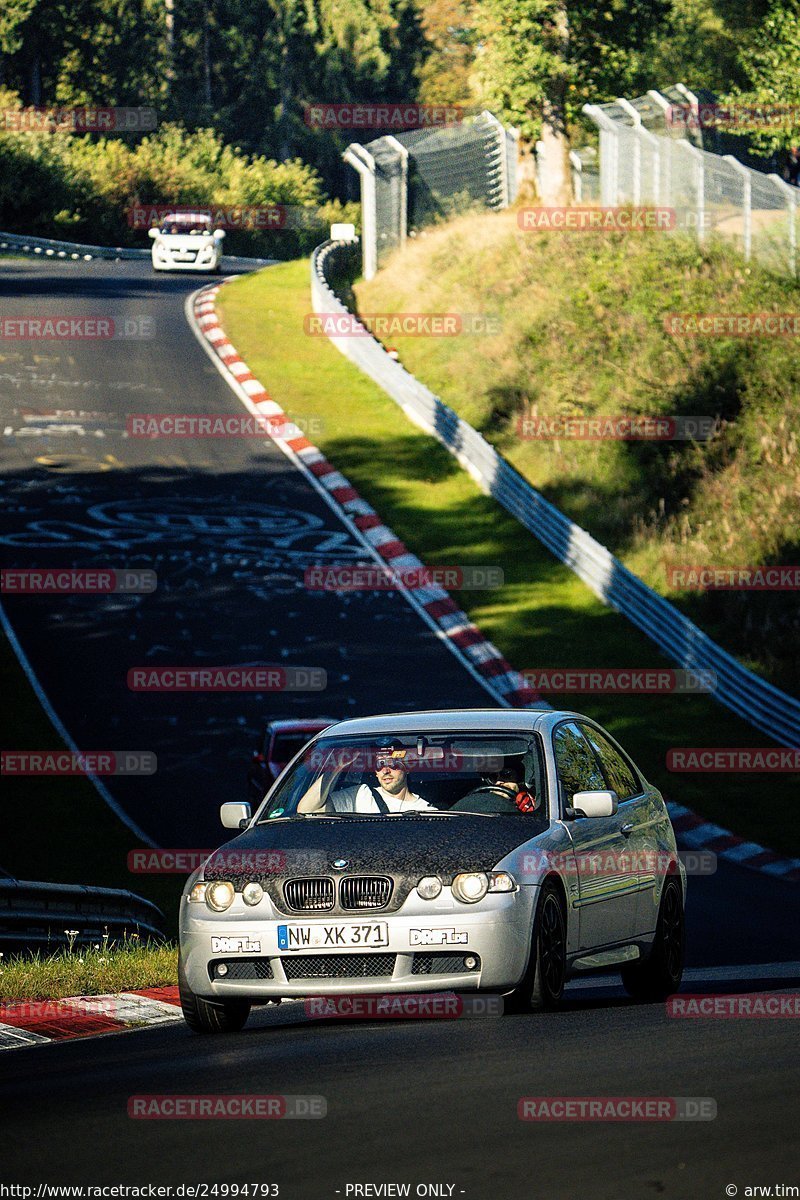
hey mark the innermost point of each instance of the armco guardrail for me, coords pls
(36, 916)
(758, 702)
(51, 248)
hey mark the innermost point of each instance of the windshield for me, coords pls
(409, 774)
(183, 223)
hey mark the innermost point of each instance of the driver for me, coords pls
(511, 779)
(392, 793)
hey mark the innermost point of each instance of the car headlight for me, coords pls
(252, 893)
(501, 881)
(470, 887)
(429, 887)
(198, 893)
(219, 895)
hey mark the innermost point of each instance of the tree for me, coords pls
(445, 75)
(541, 60)
(770, 65)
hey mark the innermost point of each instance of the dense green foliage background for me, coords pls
(246, 68)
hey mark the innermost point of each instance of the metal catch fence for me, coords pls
(650, 157)
(416, 178)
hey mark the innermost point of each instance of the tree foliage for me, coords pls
(770, 63)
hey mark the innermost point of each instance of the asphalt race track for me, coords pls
(408, 1102)
(228, 525)
(419, 1102)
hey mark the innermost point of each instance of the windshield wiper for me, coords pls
(437, 812)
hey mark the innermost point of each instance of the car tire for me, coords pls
(542, 985)
(659, 975)
(210, 1016)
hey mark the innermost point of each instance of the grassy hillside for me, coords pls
(582, 332)
(542, 616)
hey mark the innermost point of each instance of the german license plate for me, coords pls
(332, 937)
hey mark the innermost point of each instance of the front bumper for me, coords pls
(206, 260)
(497, 931)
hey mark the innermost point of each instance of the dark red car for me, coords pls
(281, 741)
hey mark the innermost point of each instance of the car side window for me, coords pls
(576, 764)
(618, 773)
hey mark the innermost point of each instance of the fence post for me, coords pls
(747, 206)
(403, 152)
(694, 104)
(700, 189)
(628, 108)
(358, 158)
(651, 140)
(577, 178)
(790, 195)
(663, 103)
(501, 146)
(511, 148)
(609, 154)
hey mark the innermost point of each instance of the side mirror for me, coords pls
(235, 816)
(594, 804)
(152, 233)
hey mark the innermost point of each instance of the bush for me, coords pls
(82, 188)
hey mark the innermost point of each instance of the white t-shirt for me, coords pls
(361, 800)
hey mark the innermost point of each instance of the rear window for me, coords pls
(286, 745)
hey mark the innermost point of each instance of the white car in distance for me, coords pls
(186, 242)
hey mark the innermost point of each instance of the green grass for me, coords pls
(95, 971)
(59, 829)
(542, 616)
(582, 332)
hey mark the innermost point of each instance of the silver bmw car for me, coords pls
(467, 850)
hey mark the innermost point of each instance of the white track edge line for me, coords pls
(61, 730)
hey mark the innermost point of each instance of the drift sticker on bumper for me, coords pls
(437, 937)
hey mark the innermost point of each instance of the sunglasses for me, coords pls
(393, 764)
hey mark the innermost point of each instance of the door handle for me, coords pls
(627, 828)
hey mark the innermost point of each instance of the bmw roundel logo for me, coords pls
(340, 864)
